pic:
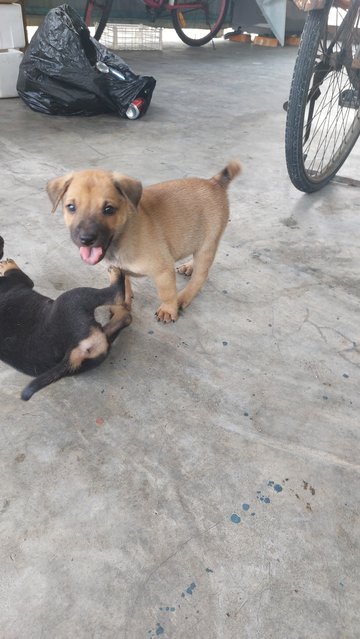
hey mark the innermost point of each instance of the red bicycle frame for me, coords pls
(170, 4)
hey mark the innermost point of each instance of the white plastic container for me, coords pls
(9, 71)
(12, 34)
(12, 37)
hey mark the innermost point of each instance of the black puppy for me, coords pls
(50, 339)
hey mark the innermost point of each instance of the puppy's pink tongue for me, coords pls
(91, 254)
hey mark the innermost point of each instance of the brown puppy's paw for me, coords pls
(186, 268)
(166, 314)
(184, 299)
(7, 265)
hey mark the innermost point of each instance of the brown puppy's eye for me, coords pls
(71, 208)
(109, 210)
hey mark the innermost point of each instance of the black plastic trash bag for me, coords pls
(58, 73)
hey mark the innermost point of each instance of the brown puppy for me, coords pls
(145, 231)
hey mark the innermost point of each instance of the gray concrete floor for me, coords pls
(203, 482)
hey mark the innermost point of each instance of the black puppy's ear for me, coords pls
(57, 188)
(1, 247)
(128, 187)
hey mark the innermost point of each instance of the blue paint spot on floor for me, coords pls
(263, 498)
(190, 589)
(235, 518)
(159, 630)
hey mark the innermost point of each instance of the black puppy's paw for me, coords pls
(114, 274)
(7, 265)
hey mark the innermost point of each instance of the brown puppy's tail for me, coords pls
(227, 174)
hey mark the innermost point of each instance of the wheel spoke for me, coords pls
(327, 125)
(326, 116)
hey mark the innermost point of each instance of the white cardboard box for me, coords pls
(9, 71)
(12, 34)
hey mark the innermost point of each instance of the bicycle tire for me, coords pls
(320, 135)
(104, 16)
(181, 22)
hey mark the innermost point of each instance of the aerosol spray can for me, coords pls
(104, 68)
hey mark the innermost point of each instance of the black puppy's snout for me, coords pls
(1, 247)
(87, 238)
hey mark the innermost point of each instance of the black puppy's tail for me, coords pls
(1, 247)
(50, 376)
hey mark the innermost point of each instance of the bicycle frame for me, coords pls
(184, 13)
(169, 5)
(311, 5)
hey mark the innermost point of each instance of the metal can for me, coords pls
(134, 109)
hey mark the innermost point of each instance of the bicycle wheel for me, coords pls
(323, 112)
(199, 25)
(91, 9)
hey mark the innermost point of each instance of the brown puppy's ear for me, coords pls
(57, 188)
(129, 187)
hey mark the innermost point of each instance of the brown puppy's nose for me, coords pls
(87, 238)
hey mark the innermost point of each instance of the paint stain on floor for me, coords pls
(262, 496)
